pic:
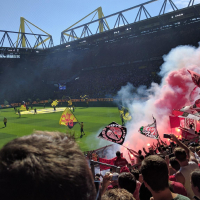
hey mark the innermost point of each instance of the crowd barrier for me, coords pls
(117, 169)
(94, 163)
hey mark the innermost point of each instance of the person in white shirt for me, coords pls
(187, 165)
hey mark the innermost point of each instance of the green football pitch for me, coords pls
(94, 119)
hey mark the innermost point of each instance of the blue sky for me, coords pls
(54, 16)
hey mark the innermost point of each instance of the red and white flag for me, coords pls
(174, 121)
(191, 112)
(188, 122)
(187, 135)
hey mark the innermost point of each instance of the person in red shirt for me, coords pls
(120, 161)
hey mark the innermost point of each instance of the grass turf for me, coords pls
(94, 119)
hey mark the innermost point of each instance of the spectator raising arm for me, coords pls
(145, 151)
(190, 154)
(106, 182)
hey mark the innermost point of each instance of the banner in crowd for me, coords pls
(107, 161)
(188, 122)
(174, 121)
(114, 133)
(5, 106)
(55, 103)
(182, 114)
(125, 113)
(150, 130)
(187, 135)
(195, 77)
(192, 109)
(68, 118)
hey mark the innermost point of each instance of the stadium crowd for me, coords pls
(112, 64)
(50, 165)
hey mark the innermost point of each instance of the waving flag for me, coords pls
(192, 111)
(188, 122)
(174, 121)
(55, 103)
(150, 130)
(185, 115)
(125, 113)
(23, 107)
(187, 135)
(68, 118)
(114, 133)
(84, 97)
(107, 161)
(195, 77)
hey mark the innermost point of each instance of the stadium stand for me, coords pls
(101, 65)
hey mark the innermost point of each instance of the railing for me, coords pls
(93, 163)
(93, 27)
(117, 169)
(32, 40)
(85, 30)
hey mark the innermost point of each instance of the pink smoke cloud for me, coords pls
(173, 93)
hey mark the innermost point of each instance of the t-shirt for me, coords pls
(186, 172)
(181, 197)
(178, 188)
(178, 197)
(120, 162)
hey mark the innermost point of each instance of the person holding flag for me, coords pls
(120, 161)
